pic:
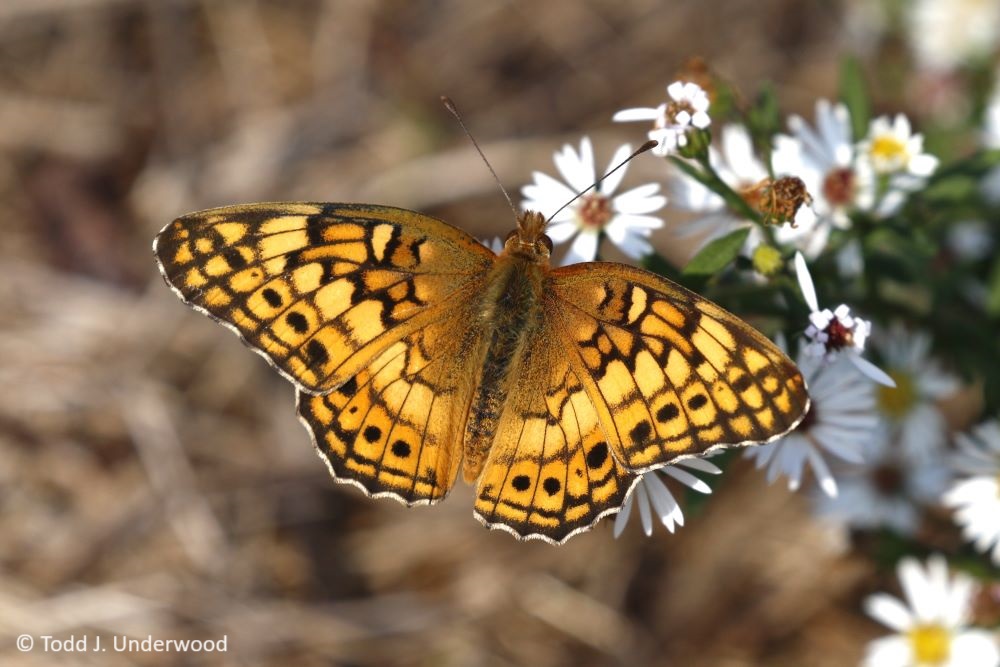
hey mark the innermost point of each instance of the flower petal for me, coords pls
(645, 517)
(611, 181)
(583, 248)
(806, 282)
(621, 520)
(889, 611)
(640, 200)
(871, 370)
(634, 114)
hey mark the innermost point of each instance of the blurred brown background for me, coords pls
(153, 477)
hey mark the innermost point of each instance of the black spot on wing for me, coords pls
(667, 413)
(597, 455)
(297, 321)
(273, 298)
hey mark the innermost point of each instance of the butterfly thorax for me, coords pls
(509, 314)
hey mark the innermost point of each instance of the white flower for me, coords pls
(991, 124)
(889, 487)
(831, 333)
(840, 418)
(891, 161)
(932, 626)
(850, 259)
(976, 498)
(653, 496)
(686, 108)
(970, 240)
(944, 34)
(920, 383)
(824, 159)
(989, 186)
(891, 147)
(737, 166)
(623, 219)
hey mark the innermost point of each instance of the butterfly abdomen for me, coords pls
(511, 309)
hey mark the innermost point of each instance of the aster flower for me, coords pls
(835, 332)
(623, 219)
(685, 109)
(976, 497)
(652, 495)
(892, 147)
(737, 165)
(991, 121)
(990, 184)
(896, 155)
(970, 240)
(840, 418)
(910, 406)
(824, 159)
(932, 626)
(888, 489)
(945, 34)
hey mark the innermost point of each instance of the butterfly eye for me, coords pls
(547, 242)
(512, 234)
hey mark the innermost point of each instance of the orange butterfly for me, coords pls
(417, 352)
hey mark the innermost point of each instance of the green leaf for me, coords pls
(855, 96)
(718, 254)
(658, 264)
(953, 190)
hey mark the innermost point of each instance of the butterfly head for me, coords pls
(529, 239)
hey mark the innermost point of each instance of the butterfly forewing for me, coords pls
(670, 373)
(319, 289)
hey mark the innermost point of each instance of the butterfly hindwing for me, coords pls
(395, 428)
(670, 373)
(318, 289)
(550, 473)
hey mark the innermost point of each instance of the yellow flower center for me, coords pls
(931, 644)
(766, 260)
(594, 211)
(896, 402)
(888, 149)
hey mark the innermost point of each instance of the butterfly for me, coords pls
(418, 353)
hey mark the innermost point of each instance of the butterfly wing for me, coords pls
(320, 290)
(395, 429)
(550, 473)
(671, 374)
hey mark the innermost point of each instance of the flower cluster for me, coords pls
(853, 212)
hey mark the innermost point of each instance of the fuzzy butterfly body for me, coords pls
(419, 353)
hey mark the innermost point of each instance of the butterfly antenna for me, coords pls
(450, 106)
(639, 151)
